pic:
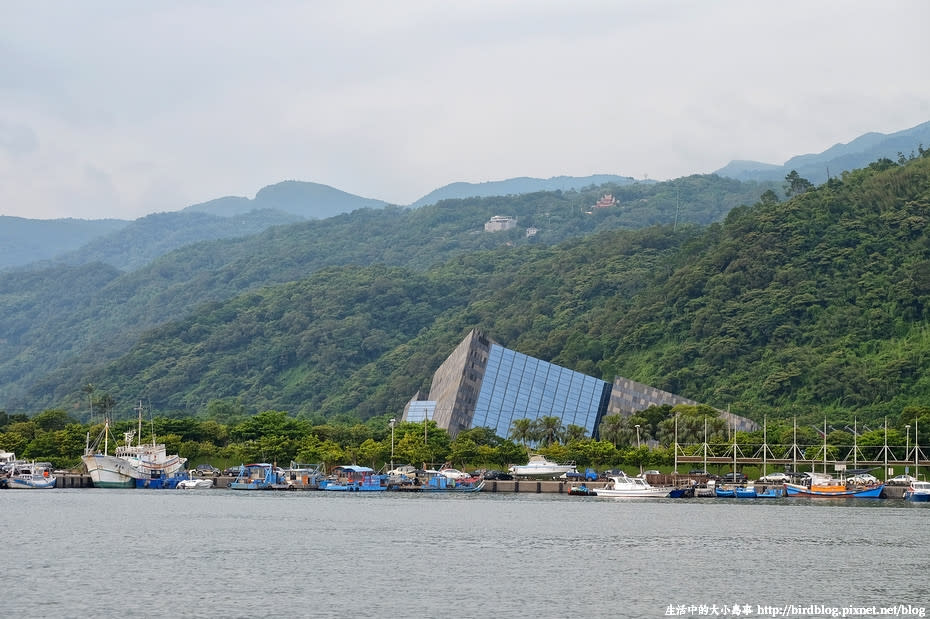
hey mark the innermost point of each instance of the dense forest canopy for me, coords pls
(807, 304)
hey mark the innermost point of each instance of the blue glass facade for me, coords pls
(516, 386)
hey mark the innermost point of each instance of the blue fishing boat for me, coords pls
(352, 478)
(440, 483)
(820, 485)
(256, 476)
(724, 493)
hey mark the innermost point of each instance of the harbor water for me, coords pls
(222, 553)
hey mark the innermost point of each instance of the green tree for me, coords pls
(796, 185)
(521, 430)
(549, 429)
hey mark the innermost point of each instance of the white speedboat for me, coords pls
(631, 487)
(918, 491)
(540, 466)
(195, 484)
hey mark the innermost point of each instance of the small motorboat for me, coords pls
(623, 486)
(918, 492)
(195, 484)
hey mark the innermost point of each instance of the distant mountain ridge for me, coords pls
(305, 199)
(519, 185)
(817, 167)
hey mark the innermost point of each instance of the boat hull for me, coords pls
(917, 497)
(36, 482)
(655, 493)
(793, 490)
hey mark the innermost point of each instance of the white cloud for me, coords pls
(114, 109)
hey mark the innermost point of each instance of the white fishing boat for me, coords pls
(623, 486)
(540, 466)
(139, 465)
(31, 476)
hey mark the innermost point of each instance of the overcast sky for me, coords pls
(120, 109)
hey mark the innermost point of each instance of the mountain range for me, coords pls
(128, 245)
(722, 290)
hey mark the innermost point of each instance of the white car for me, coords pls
(901, 480)
(454, 474)
(864, 479)
(775, 478)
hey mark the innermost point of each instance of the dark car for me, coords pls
(206, 470)
(499, 475)
(738, 478)
(232, 471)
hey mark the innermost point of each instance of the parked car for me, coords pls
(651, 472)
(901, 480)
(453, 474)
(206, 470)
(499, 475)
(864, 479)
(735, 478)
(775, 478)
(232, 471)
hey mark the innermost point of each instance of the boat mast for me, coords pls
(139, 410)
(824, 445)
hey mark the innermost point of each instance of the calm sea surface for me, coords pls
(222, 553)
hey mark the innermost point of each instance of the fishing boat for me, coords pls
(352, 478)
(300, 477)
(541, 467)
(31, 476)
(918, 492)
(623, 486)
(140, 465)
(821, 485)
(435, 481)
(256, 476)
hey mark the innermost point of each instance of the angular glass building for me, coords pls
(483, 384)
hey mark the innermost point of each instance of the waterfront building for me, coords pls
(419, 410)
(483, 384)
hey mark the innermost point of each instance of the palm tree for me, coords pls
(574, 433)
(612, 429)
(521, 430)
(550, 429)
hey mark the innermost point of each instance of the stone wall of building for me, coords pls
(457, 382)
(628, 397)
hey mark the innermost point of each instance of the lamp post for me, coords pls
(393, 421)
(639, 456)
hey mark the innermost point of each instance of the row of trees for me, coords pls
(644, 440)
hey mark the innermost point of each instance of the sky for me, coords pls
(114, 109)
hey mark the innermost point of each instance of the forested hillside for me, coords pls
(811, 306)
(53, 332)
